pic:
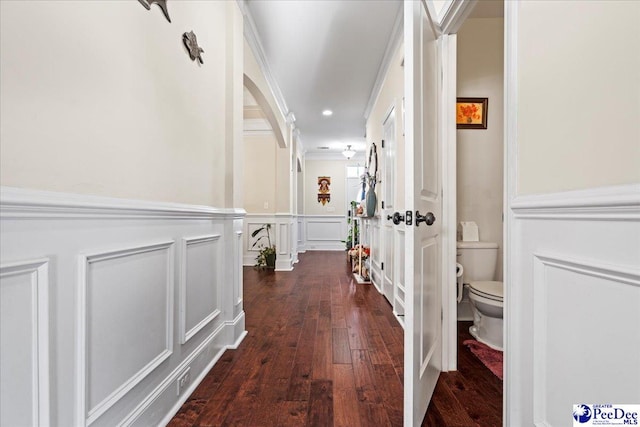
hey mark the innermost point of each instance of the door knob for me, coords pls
(397, 218)
(429, 218)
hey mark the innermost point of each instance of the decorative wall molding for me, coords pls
(237, 271)
(324, 232)
(37, 278)
(455, 15)
(211, 343)
(109, 261)
(281, 235)
(25, 203)
(86, 413)
(212, 239)
(394, 43)
(546, 287)
(614, 203)
(252, 36)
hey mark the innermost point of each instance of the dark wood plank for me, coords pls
(341, 350)
(323, 350)
(321, 403)
(345, 400)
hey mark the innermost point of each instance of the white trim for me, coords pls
(332, 155)
(449, 204)
(612, 203)
(186, 241)
(252, 36)
(237, 271)
(25, 203)
(85, 418)
(510, 393)
(395, 40)
(38, 269)
(171, 378)
(585, 267)
(455, 15)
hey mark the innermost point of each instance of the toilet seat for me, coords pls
(488, 289)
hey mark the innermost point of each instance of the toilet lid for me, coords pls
(488, 288)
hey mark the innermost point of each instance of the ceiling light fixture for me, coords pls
(348, 153)
(327, 113)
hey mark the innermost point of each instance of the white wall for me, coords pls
(101, 98)
(579, 109)
(480, 151)
(336, 169)
(573, 110)
(260, 173)
(391, 94)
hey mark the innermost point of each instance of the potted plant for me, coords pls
(267, 255)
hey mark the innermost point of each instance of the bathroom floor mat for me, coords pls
(491, 358)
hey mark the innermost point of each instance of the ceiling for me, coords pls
(324, 54)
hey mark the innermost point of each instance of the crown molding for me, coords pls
(455, 15)
(253, 40)
(332, 155)
(394, 43)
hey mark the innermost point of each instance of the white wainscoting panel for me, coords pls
(95, 319)
(282, 235)
(200, 281)
(125, 321)
(237, 271)
(301, 243)
(399, 288)
(574, 346)
(24, 340)
(572, 303)
(376, 254)
(325, 232)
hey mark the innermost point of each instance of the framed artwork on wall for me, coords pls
(471, 113)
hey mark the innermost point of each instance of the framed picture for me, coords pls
(471, 113)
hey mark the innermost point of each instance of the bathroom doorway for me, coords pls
(479, 191)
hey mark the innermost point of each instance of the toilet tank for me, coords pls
(478, 260)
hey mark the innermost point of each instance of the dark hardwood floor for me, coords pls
(325, 351)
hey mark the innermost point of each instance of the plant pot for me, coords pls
(371, 201)
(271, 260)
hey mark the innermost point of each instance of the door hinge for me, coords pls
(382, 266)
(383, 143)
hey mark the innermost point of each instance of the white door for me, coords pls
(423, 307)
(389, 248)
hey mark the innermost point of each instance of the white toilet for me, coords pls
(478, 260)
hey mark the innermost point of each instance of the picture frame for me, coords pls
(471, 113)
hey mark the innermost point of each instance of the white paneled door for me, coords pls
(423, 218)
(388, 240)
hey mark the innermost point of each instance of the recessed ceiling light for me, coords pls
(327, 113)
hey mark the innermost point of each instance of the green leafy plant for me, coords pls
(267, 255)
(353, 228)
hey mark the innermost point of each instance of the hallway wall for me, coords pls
(579, 119)
(121, 285)
(260, 173)
(480, 151)
(101, 98)
(336, 169)
(573, 110)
